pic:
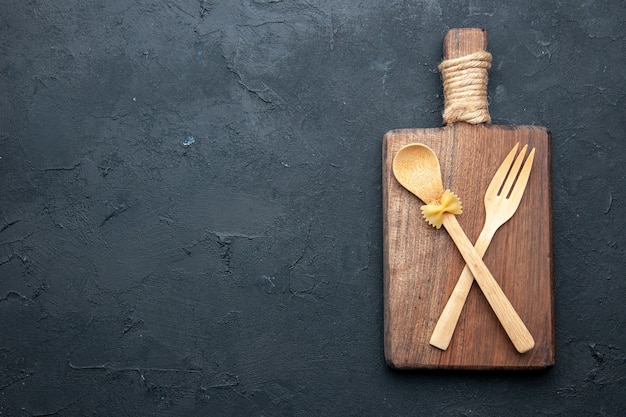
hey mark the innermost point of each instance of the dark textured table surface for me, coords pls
(190, 210)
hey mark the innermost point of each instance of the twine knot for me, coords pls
(465, 88)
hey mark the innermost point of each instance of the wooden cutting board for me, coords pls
(422, 265)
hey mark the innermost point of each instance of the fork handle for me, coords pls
(510, 320)
(444, 329)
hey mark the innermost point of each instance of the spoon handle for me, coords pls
(510, 320)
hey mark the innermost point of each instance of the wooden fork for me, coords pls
(502, 199)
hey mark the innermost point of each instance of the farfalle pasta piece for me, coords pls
(448, 203)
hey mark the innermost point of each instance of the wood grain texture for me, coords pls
(464, 41)
(422, 264)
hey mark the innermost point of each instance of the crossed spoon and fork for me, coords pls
(417, 169)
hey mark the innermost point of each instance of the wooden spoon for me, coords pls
(416, 167)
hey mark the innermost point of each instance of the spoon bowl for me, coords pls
(416, 167)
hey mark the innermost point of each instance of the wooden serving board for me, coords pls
(422, 264)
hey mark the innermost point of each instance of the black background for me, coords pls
(190, 210)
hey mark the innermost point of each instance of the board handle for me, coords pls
(464, 75)
(464, 41)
